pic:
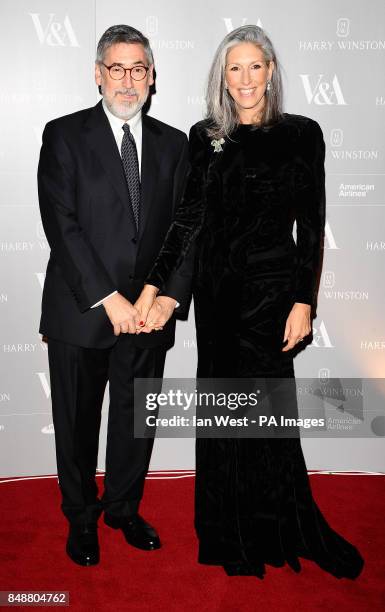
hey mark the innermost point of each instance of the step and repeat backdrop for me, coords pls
(333, 59)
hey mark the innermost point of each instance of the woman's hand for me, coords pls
(297, 325)
(144, 302)
(160, 312)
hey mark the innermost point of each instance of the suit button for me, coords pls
(134, 240)
(130, 277)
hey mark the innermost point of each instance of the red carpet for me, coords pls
(33, 534)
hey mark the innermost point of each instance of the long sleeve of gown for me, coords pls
(188, 217)
(309, 194)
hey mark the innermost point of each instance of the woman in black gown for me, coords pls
(254, 170)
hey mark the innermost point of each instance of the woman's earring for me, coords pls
(268, 86)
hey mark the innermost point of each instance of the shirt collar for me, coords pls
(116, 123)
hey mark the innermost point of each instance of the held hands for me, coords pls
(148, 313)
(158, 314)
(297, 325)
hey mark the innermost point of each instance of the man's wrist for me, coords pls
(110, 299)
(104, 299)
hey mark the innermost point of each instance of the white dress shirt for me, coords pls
(116, 124)
(135, 124)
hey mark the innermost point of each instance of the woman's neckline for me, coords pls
(262, 127)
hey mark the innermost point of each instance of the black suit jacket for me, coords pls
(89, 224)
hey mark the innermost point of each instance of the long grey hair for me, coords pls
(221, 109)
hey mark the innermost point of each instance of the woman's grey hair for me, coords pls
(221, 109)
(122, 34)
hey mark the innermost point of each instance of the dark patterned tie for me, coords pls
(131, 170)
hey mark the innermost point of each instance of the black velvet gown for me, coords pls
(253, 503)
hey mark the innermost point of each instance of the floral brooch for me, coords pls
(217, 144)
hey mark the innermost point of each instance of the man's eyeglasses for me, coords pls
(117, 72)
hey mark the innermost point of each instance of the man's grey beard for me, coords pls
(127, 110)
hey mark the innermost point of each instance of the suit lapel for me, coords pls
(101, 140)
(150, 163)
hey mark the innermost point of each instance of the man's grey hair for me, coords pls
(221, 109)
(122, 34)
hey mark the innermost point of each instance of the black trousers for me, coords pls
(78, 380)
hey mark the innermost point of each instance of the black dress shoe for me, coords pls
(82, 544)
(136, 530)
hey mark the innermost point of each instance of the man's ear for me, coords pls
(151, 75)
(98, 74)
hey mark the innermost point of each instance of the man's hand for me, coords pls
(123, 315)
(159, 313)
(297, 325)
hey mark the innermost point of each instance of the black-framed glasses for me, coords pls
(117, 72)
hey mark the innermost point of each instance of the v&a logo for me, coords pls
(323, 92)
(54, 33)
(230, 27)
(45, 384)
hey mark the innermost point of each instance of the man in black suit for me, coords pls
(110, 179)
